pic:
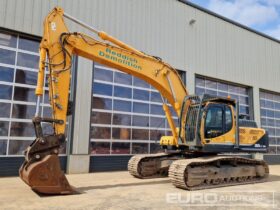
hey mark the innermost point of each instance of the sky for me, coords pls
(261, 15)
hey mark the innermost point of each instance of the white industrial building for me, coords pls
(213, 54)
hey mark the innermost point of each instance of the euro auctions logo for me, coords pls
(223, 199)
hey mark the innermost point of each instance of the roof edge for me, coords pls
(228, 20)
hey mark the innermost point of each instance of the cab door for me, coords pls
(217, 127)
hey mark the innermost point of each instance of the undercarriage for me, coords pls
(187, 171)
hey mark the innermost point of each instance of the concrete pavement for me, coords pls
(119, 190)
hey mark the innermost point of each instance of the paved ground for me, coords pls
(118, 190)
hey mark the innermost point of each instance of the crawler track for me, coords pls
(217, 171)
(151, 166)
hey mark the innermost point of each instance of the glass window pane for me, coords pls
(100, 132)
(234, 96)
(277, 114)
(7, 56)
(3, 147)
(277, 106)
(122, 92)
(6, 74)
(140, 107)
(157, 110)
(222, 94)
(243, 100)
(156, 134)
(199, 91)
(102, 103)
(104, 75)
(210, 84)
(8, 40)
(28, 44)
(222, 86)
(46, 97)
(228, 118)
(140, 134)
(24, 94)
(277, 98)
(269, 96)
(139, 148)
(272, 140)
(4, 128)
(244, 110)
(100, 147)
(102, 89)
(47, 111)
(124, 106)
(271, 122)
(271, 131)
(263, 122)
(211, 92)
(22, 129)
(200, 82)
(5, 110)
(233, 89)
(155, 96)
(23, 111)
(101, 118)
(242, 91)
(121, 133)
(26, 77)
(121, 119)
(262, 103)
(6, 92)
(214, 121)
(262, 95)
(140, 83)
(140, 121)
(270, 113)
(120, 148)
(122, 78)
(27, 60)
(17, 147)
(157, 122)
(277, 132)
(141, 94)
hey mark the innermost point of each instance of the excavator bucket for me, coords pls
(41, 169)
(45, 176)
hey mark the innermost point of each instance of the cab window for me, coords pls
(228, 118)
(214, 122)
(218, 120)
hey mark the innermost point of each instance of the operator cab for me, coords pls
(211, 124)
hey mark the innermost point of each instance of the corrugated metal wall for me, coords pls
(211, 47)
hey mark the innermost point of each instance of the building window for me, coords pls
(217, 88)
(127, 115)
(270, 118)
(19, 60)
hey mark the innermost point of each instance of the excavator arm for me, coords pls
(41, 169)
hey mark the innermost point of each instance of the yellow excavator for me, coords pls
(198, 155)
